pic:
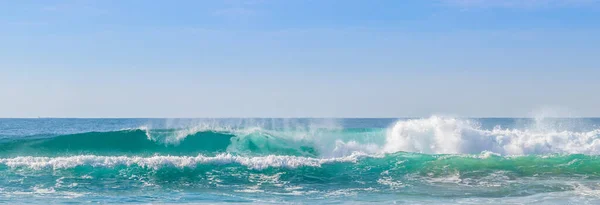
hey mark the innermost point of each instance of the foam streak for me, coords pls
(156, 162)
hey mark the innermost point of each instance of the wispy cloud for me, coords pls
(518, 3)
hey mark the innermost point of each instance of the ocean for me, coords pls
(433, 160)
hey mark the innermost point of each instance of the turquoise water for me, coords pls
(435, 160)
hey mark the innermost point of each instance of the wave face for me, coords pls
(428, 160)
(434, 135)
(251, 141)
(149, 142)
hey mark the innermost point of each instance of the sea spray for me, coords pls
(439, 135)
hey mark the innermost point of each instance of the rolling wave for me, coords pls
(148, 142)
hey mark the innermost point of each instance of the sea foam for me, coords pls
(442, 135)
(156, 162)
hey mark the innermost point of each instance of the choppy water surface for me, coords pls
(429, 160)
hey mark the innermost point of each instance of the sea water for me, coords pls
(434, 160)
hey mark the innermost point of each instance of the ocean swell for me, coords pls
(161, 141)
(441, 159)
(434, 135)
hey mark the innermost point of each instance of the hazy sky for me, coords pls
(299, 58)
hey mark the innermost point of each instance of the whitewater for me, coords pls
(438, 159)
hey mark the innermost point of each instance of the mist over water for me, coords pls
(422, 160)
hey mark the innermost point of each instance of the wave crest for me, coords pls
(441, 135)
(434, 135)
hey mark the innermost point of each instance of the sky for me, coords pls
(299, 58)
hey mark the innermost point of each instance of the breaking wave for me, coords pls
(434, 135)
(438, 157)
(439, 135)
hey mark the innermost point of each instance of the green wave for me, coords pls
(144, 143)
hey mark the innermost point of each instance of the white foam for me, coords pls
(156, 162)
(177, 135)
(440, 135)
(353, 147)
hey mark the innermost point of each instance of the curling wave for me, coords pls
(149, 142)
(434, 135)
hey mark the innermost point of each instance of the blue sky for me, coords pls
(299, 58)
